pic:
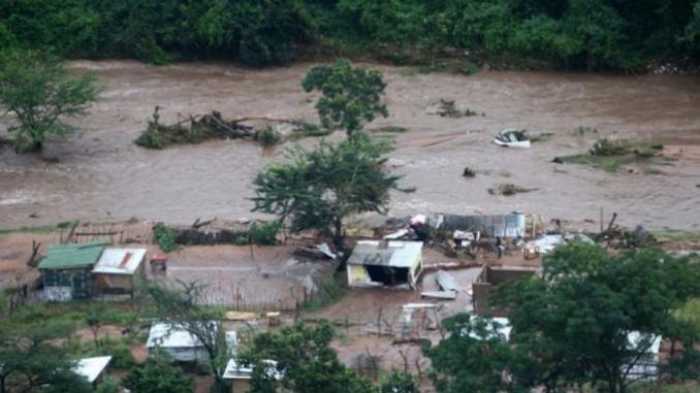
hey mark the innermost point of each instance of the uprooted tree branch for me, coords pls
(199, 128)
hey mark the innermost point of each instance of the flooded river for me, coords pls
(102, 175)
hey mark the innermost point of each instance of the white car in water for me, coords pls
(510, 137)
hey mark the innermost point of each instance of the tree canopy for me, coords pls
(304, 360)
(40, 93)
(184, 308)
(31, 361)
(588, 321)
(350, 97)
(317, 189)
(157, 375)
(570, 34)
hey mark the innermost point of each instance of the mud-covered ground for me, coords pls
(102, 175)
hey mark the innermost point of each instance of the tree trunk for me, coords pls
(338, 234)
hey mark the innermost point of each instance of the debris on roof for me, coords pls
(120, 261)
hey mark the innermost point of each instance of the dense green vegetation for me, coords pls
(571, 327)
(573, 34)
(38, 90)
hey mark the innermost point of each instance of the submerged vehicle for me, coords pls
(511, 137)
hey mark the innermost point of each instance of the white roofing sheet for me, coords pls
(495, 327)
(91, 368)
(120, 260)
(166, 335)
(239, 371)
(397, 253)
(639, 340)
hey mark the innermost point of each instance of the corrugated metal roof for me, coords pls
(395, 253)
(71, 256)
(91, 368)
(174, 335)
(120, 260)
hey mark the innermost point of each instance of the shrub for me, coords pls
(268, 136)
(607, 148)
(265, 233)
(165, 237)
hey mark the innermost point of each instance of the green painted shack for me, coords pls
(66, 270)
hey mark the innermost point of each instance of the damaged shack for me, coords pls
(395, 264)
(118, 270)
(490, 278)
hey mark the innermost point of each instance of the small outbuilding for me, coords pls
(118, 270)
(92, 369)
(66, 270)
(395, 264)
(182, 345)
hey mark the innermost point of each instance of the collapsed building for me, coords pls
(395, 264)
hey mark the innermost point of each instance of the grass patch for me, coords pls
(611, 155)
(308, 130)
(330, 290)
(41, 229)
(690, 313)
(676, 235)
(390, 130)
(268, 137)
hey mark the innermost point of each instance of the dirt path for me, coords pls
(103, 175)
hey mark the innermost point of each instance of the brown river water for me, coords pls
(102, 175)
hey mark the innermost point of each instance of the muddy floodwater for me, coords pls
(101, 175)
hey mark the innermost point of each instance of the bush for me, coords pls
(268, 136)
(157, 375)
(608, 148)
(265, 233)
(165, 237)
(108, 385)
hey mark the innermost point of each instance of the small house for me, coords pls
(118, 270)
(92, 369)
(66, 270)
(239, 375)
(395, 264)
(182, 345)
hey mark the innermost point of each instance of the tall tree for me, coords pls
(305, 362)
(471, 358)
(157, 375)
(40, 93)
(350, 97)
(590, 320)
(183, 308)
(318, 189)
(31, 360)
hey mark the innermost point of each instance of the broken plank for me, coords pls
(443, 295)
